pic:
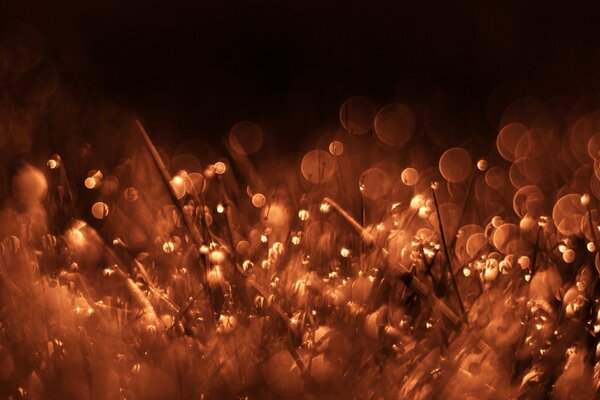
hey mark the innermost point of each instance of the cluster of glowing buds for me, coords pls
(323, 280)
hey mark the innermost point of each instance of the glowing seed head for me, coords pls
(259, 200)
(220, 168)
(424, 212)
(216, 257)
(345, 252)
(278, 248)
(100, 210)
(409, 176)
(591, 246)
(569, 256)
(336, 148)
(75, 236)
(538, 326)
(275, 282)
(303, 215)
(524, 262)
(482, 164)
(585, 199)
(220, 208)
(247, 264)
(151, 329)
(324, 208)
(264, 238)
(168, 247)
(527, 223)
(226, 323)
(53, 164)
(93, 179)
(295, 240)
(90, 183)
(466, 272)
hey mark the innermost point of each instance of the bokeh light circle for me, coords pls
(100, 210)
(455, 165)
(506, 238)
(246, 138)
(507, 139)
(529, 200)
(374, 183)
(357, 115)
(259, 200)
(567, 214)
(410, 176)
(317, 166)
(336, 148)
(395, 124)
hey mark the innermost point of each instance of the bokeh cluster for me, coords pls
(402, 252)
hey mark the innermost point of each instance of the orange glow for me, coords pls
(395, 252)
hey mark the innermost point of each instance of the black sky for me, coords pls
(198, 68)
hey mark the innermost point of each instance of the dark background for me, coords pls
(196, 69)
